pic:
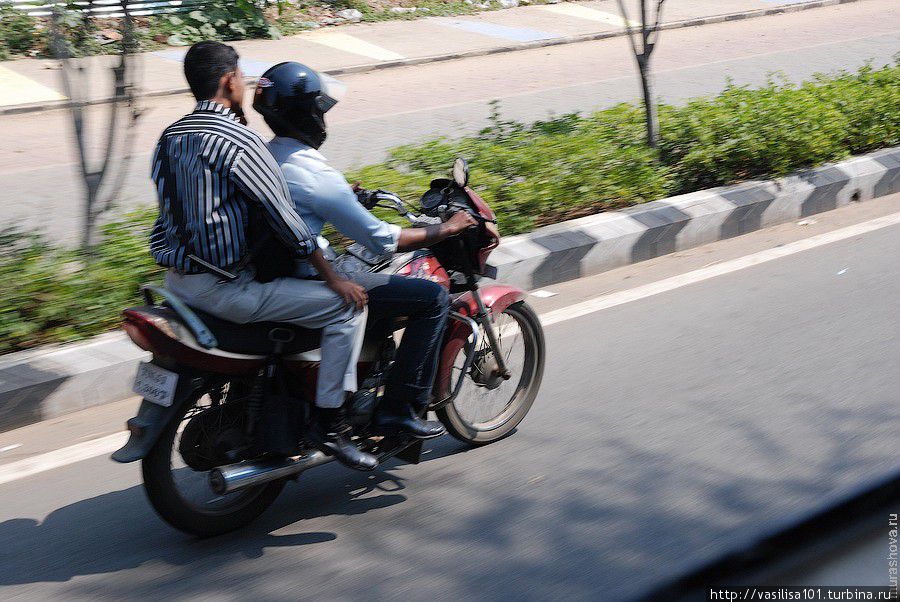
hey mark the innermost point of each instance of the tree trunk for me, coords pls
(652, 118)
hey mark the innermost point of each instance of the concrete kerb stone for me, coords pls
(407, 62)
(46, 383)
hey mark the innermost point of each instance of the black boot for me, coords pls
(402, 417)
(330, 433)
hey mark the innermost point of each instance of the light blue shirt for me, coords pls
(322, 195)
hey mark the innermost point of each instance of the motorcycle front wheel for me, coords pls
(488, 407)
(176, 470)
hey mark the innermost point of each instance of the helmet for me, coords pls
(293, 99)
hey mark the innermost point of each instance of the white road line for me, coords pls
(654, 288)
(15, 89)
(106, 445)
(582, 12)
(61, 457)
(353, 45)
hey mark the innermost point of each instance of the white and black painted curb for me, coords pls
(601, 242)
(43, 384)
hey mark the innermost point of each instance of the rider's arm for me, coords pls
(334, 201)
(258, 176)
(340, 207)
(351, 292)
(416, 238)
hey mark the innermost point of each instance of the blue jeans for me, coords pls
(426, 305)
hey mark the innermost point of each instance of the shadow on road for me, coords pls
(118, 530)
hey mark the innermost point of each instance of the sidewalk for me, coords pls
(34, 84)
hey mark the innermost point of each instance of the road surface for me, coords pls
(667, 430)
(42, 187)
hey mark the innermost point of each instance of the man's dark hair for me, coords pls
(205, 64)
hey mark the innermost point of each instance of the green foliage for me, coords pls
(220, 20)
(531, 175)
(17, 31)
(745, 133)
(58, 297)
(572, 165)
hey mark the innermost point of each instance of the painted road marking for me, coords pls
(348, 43)
(518, 34)
(106, 445)
(61, 457)
(582, 12)
(16, 89)
(654, 288)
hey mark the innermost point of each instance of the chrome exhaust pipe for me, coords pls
(234, 477)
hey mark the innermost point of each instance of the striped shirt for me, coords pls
(210, 172)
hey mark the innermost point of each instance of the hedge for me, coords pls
(530, 174)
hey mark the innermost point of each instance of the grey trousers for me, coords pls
(306, 303)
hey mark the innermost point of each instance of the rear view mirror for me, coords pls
(460, 172)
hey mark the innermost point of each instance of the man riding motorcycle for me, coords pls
(293, 100)
(213, 174)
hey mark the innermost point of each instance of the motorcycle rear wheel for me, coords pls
(162, 482)
(511, 400)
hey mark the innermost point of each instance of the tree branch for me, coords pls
(628, 28)
(657, 22)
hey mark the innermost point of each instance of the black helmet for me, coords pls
(293, 99)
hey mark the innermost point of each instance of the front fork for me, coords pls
(481, 322)
(484, 318)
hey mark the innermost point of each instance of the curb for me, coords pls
(436, 58)
(46, 383)
(598, 243)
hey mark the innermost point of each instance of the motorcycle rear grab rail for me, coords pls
(205, 337)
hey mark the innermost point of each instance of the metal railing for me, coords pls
(110, 8)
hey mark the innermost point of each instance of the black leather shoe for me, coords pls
(406, 421)
(330, 434)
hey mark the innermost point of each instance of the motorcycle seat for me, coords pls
(256, 338)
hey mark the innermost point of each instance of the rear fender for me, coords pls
(496, 297)
(151, 419)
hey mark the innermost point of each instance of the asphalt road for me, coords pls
(667, 430)
(388, 108)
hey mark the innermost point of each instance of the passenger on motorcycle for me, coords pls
(212, 173)
(293, 100)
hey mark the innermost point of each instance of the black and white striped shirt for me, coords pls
(218, 170)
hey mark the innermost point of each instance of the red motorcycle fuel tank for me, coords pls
(425, 265)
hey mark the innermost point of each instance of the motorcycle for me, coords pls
(213, 389)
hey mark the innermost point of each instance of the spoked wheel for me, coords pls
(201, 436)
(488, 406)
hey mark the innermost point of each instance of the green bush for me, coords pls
(58, 297)
(745, 133)
(573, 165)
(530, 174)
(221, 20)
(17, 31)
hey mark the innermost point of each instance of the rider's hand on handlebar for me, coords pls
(460, 221)
(351, 292)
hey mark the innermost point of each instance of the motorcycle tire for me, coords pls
(164, 495)
(464, 430)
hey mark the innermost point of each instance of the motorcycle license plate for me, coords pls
(155, 384)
